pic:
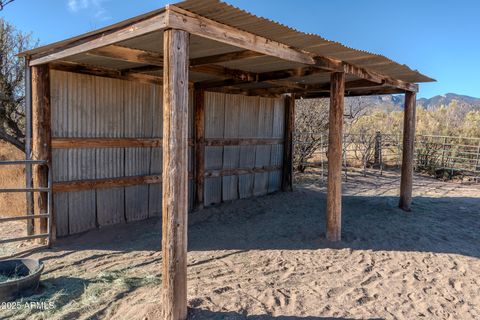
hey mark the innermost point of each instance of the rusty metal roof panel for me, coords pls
(230, 15)
(235, 17)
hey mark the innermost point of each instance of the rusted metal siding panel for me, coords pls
(249, 110)
(276, 153)
(214, 128)
(243, 117)
(86, 106)
(231, 154)
(109, 122)
(155, 190)
(139, 103)
(262, 152)
(81, 162)
(59, 96)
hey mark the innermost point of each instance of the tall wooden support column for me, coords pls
(28, 145)
(287, 179)
(41, 134)
(175, 174)
(335, 135)
(199, 130)
(406, 181)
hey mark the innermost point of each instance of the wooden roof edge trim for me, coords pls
(207, 28)
(102, 39)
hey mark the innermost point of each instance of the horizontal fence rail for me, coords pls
(441, 156)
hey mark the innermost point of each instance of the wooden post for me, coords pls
(408, 149)
(42, 138)
(199, 131)
(175, 174)
(287, 179)
(335, 135)
(28, 145)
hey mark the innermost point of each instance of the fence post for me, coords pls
(477, 162)
(345, 157)
(380, 152)
(443, 152)
(322, 150)
(377, 148)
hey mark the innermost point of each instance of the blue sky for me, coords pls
(440, 38)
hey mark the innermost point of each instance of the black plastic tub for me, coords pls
(22, 278)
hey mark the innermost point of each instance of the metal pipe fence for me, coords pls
(440, 156)
(29, 216)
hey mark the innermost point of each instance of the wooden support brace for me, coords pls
(287, 179)
(41, 131)
(199, 130)
(175, 174)
(406, 181)
(335, 134)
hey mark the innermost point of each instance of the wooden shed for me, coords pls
(189, 106)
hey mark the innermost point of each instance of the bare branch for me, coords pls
(3, 3)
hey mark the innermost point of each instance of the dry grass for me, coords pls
(11, 177)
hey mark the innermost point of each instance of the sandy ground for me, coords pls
(266, 258)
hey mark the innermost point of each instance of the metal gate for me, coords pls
(29, 216)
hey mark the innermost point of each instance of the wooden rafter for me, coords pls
(128, 54)
(269, 77)
(352, 88)
(224, 57)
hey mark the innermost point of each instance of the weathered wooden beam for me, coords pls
(98, 40)
(80, 185)
(199, 132)
(220, 71)
(128, 54)
(207, 28)
(380, 90)
(287, 168)
(335, 135)
(224, 57)
(242, 141)
(42, 137)
(406, 181)
(239, 171)
(79, 143)
(76, 143)
(272, 77)
(104, 72)
(175, 174)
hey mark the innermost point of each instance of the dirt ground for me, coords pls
(266, 258)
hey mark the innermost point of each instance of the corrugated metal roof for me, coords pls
(235, 17)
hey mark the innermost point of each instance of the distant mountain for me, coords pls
(446, 99)
(396, 102)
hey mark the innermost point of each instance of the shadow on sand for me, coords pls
(296, 220)
(200, 314)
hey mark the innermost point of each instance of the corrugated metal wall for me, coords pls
(237, 116)
(85, 106)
